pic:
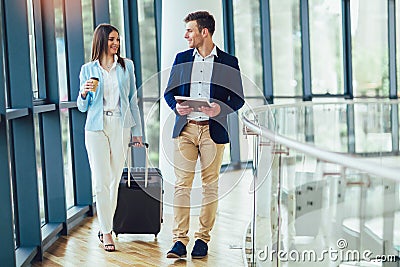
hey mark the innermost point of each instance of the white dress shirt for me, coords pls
(111, 91)
(201, 80)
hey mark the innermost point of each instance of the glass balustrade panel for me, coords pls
(311, 211)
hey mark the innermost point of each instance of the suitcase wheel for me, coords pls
(155, 237)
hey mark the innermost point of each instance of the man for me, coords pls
(202, 71)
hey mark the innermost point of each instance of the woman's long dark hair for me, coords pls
(100, 42)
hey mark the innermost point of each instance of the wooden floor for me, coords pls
(82, 248)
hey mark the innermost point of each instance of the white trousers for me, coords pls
(107, 150)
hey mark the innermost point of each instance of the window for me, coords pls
(12, 182)
(39, 167)
(61, 56)
(286, 47)
(398, 47)
(117, 20)
(248, 45)
(326, 43)
(151, 119)
(3, 66)
(246, 15)
(370, 48)
(150, 84)
(148, 47)
(64, 113)
(66, 150)
(88, 27)
(32, 50)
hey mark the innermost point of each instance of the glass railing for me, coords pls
(326, 184)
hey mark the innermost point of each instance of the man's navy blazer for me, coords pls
(225, 89)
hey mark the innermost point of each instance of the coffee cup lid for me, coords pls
(94, 78)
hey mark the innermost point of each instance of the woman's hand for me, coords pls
(137, 141)
(87, 88)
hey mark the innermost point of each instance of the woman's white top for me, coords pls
(111, 91)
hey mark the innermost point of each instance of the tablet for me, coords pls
(192, 102)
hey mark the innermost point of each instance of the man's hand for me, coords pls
(213, 111)
(183, 110)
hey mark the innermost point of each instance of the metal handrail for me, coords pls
(328, 156)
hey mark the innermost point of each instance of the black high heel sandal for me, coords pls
(109, 247)
(100, 235)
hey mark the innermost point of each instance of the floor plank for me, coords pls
(82, 248)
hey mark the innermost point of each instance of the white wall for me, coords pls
(172, 42)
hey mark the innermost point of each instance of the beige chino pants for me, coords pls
(193, 143)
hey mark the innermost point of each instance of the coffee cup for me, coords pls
(95, 82)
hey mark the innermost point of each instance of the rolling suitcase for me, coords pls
(139, 206)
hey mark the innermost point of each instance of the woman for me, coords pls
(108, 94)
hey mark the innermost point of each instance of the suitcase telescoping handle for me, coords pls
(146, 170)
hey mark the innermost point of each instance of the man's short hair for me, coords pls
(203, 19)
